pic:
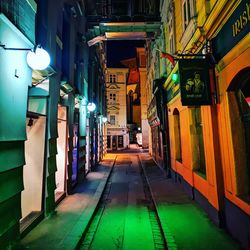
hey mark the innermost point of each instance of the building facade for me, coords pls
(45, 127)
(208, 136)
(117, 132)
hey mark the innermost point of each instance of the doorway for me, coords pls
(114, 142)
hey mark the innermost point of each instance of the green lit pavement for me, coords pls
(64, 229)
(125, 222)
(185, 224)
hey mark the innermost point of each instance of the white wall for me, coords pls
(61, 150)
(33, 170)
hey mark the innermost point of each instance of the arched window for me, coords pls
(196, 131)
(177, 135)
(239, 112)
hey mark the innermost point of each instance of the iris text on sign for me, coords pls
(242, 21)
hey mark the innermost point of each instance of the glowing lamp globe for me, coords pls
(91, 107)
(175, 77)
(38, 59)
(104, 119)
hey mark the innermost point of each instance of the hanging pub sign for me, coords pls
(194, 82)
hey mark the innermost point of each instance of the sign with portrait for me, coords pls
(194, 82)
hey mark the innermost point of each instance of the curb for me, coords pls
(167, 233)
(94, 203)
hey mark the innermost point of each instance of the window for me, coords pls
(112, 119)
(112, 78)
(196, 132)
(177, 136)
(188, 12)
(239, 111)
(171, 34)
(112, 98)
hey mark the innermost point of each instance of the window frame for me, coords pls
(112, 78)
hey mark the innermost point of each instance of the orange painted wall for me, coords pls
(233, 63)
(208, 186)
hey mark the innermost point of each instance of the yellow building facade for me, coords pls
(209, 143)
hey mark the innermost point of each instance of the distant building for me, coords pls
(141, 62)
(117, 135)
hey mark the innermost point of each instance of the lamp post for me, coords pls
(37, 58)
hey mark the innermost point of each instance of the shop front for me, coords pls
(117, 139)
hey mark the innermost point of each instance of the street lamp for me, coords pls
(37, 58)
(91, 107)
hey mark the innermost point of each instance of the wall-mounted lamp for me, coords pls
(37, 58)
(91, 107)
(104, 119)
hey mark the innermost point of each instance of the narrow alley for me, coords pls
(112, 210)
(124, 124)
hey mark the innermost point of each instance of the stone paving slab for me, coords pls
(185, 224)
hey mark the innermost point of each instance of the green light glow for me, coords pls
(175, 77)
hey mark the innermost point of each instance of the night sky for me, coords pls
(121, 50)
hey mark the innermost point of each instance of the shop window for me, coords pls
(196, 132)
(177, 135)
(120, 141)
(61, 159)
(33, 171)
(239, 111)
(112, 78)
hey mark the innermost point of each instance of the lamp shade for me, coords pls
(104, 119)
(38, 59)
(91, 107)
